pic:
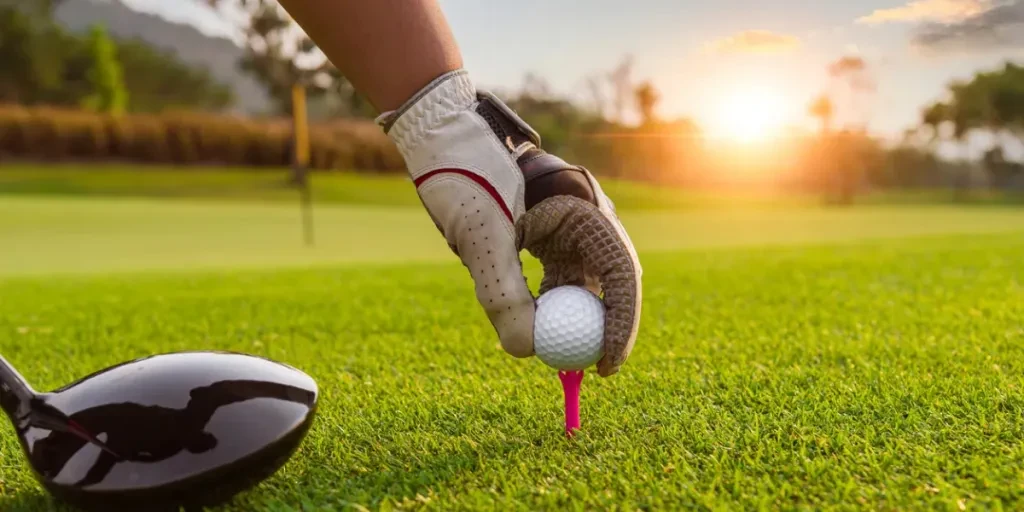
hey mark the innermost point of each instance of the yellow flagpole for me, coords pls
(301, 160)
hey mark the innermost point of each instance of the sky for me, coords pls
(708, 59)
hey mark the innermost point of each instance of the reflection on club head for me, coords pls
(192, 427)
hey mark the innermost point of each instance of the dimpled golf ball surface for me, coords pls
(569, 328)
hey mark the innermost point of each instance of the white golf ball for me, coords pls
(568, 329)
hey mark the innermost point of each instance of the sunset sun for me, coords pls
(749, 114)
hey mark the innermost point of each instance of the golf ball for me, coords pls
(568, 330)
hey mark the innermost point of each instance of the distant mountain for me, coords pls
(219, 56)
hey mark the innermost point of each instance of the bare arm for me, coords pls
(388, 49)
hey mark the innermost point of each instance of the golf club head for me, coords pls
(185, 429)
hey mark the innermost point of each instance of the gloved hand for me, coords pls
(491, 191)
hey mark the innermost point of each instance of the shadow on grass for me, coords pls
(39, 501)
(36, 501)
(412, 479)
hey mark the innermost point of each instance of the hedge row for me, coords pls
(187, 138)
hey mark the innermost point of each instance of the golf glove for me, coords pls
(491, 191)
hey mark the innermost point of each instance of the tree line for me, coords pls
(616, 131)
(45, 64)
(991, 102)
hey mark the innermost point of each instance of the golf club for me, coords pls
(184, 429)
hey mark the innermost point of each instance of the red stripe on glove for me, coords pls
(476, 178)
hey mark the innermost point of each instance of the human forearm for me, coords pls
(387, 49)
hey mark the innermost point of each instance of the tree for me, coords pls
(350, 102)
(1008, 99)
(1002, 171)
(41, 8)
(647, 98)
(822, 110)
(281, 55)
(32, 56)
(157, 80)
(940, 114)
(108, 92)
(843, 153)
(47, 7)
(851, 88)
(621, 82)
(932, 118)
(989, 101)
(554, 118)
(907, 165)
(598, 100)
(992, 101)
(44, 64)
(272, 53)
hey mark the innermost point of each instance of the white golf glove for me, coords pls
(491, 191)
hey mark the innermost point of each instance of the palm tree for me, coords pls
(646, 99)
(823, 110)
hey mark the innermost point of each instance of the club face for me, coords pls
(190, 427)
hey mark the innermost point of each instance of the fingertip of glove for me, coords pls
(514, 324)
(518, 348)
(605, 369)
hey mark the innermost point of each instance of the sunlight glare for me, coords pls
(749, 115)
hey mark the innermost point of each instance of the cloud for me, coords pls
(756, 41)
(1001, 27)
(848, 64)
(938, 11)
(958, 25)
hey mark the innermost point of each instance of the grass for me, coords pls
(235, 184)
(878, 375)
(60, 235)
(865, 358)
(351, 188)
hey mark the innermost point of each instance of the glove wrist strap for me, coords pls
(428, 110)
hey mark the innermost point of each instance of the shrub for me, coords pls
(188, 138)
(14, 122)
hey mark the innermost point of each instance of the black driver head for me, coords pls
(186, 429)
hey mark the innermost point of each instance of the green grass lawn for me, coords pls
(793, 358)
(208, 183)
(347, 188)
(351, 188)
(44, 235)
